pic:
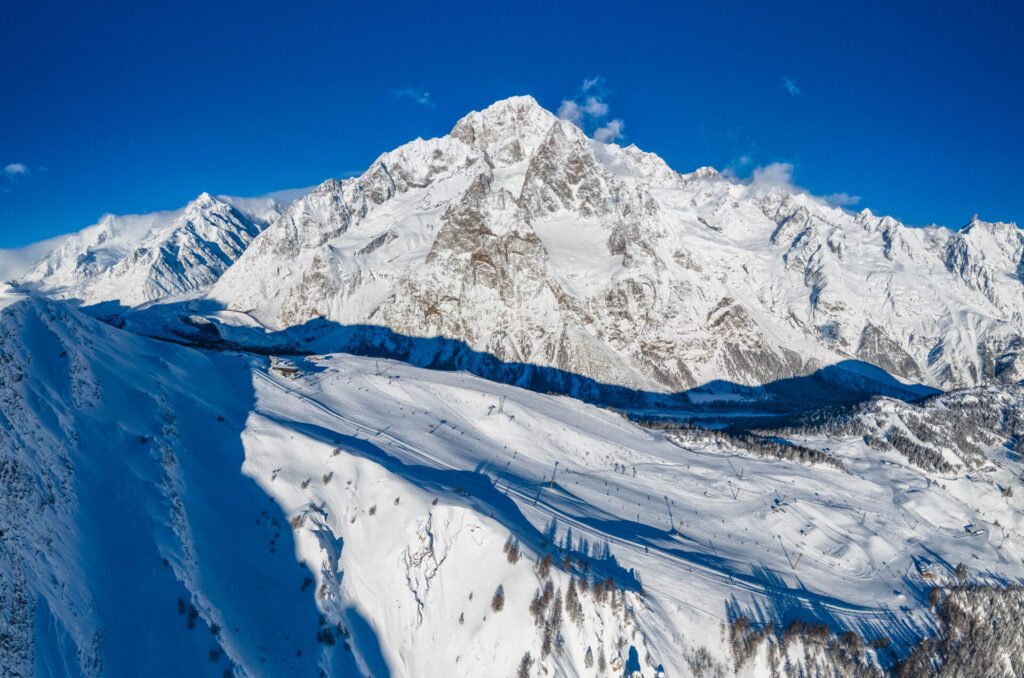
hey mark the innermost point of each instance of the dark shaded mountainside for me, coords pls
(847, 381)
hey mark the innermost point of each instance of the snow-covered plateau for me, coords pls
(513, 402)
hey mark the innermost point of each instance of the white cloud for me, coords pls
(15, 263)
(587, 109)
(416, 94)
(570, 110)
(575, 112)
(775, 175)
(12, 172)
(780, 175)
(790, 86)
(594, 107)
(610, 132)
(16, 169)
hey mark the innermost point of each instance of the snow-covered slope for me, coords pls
(135, 259)
(16, 262)
(170, 511)
(127, 530)
(526, 240)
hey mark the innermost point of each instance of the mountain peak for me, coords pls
(203, 200)
(508, 130)
(513, 105)
(329, 186)
(997, 228)
(705, 172)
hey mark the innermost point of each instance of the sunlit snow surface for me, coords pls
(709, 534)
(371, 498)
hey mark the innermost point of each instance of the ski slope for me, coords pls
(709, 533)
(168, 510)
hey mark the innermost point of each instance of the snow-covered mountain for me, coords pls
(135, 259)
(171, 511)
(523, 238)
(191, 507)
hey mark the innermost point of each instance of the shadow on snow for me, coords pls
(844, 382)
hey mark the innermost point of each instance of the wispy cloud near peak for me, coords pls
(779, 175)
(587, 108)
(841, 199)
(415, 94)
(609, 132)
(790, 86)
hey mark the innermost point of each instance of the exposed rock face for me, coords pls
(526, 240)
(564, 174)
(509, 131)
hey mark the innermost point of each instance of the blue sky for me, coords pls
(131, 107)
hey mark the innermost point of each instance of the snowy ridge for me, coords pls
(526, 240)
(411, 513)
(135, 259)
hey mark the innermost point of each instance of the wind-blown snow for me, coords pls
(137, 258)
